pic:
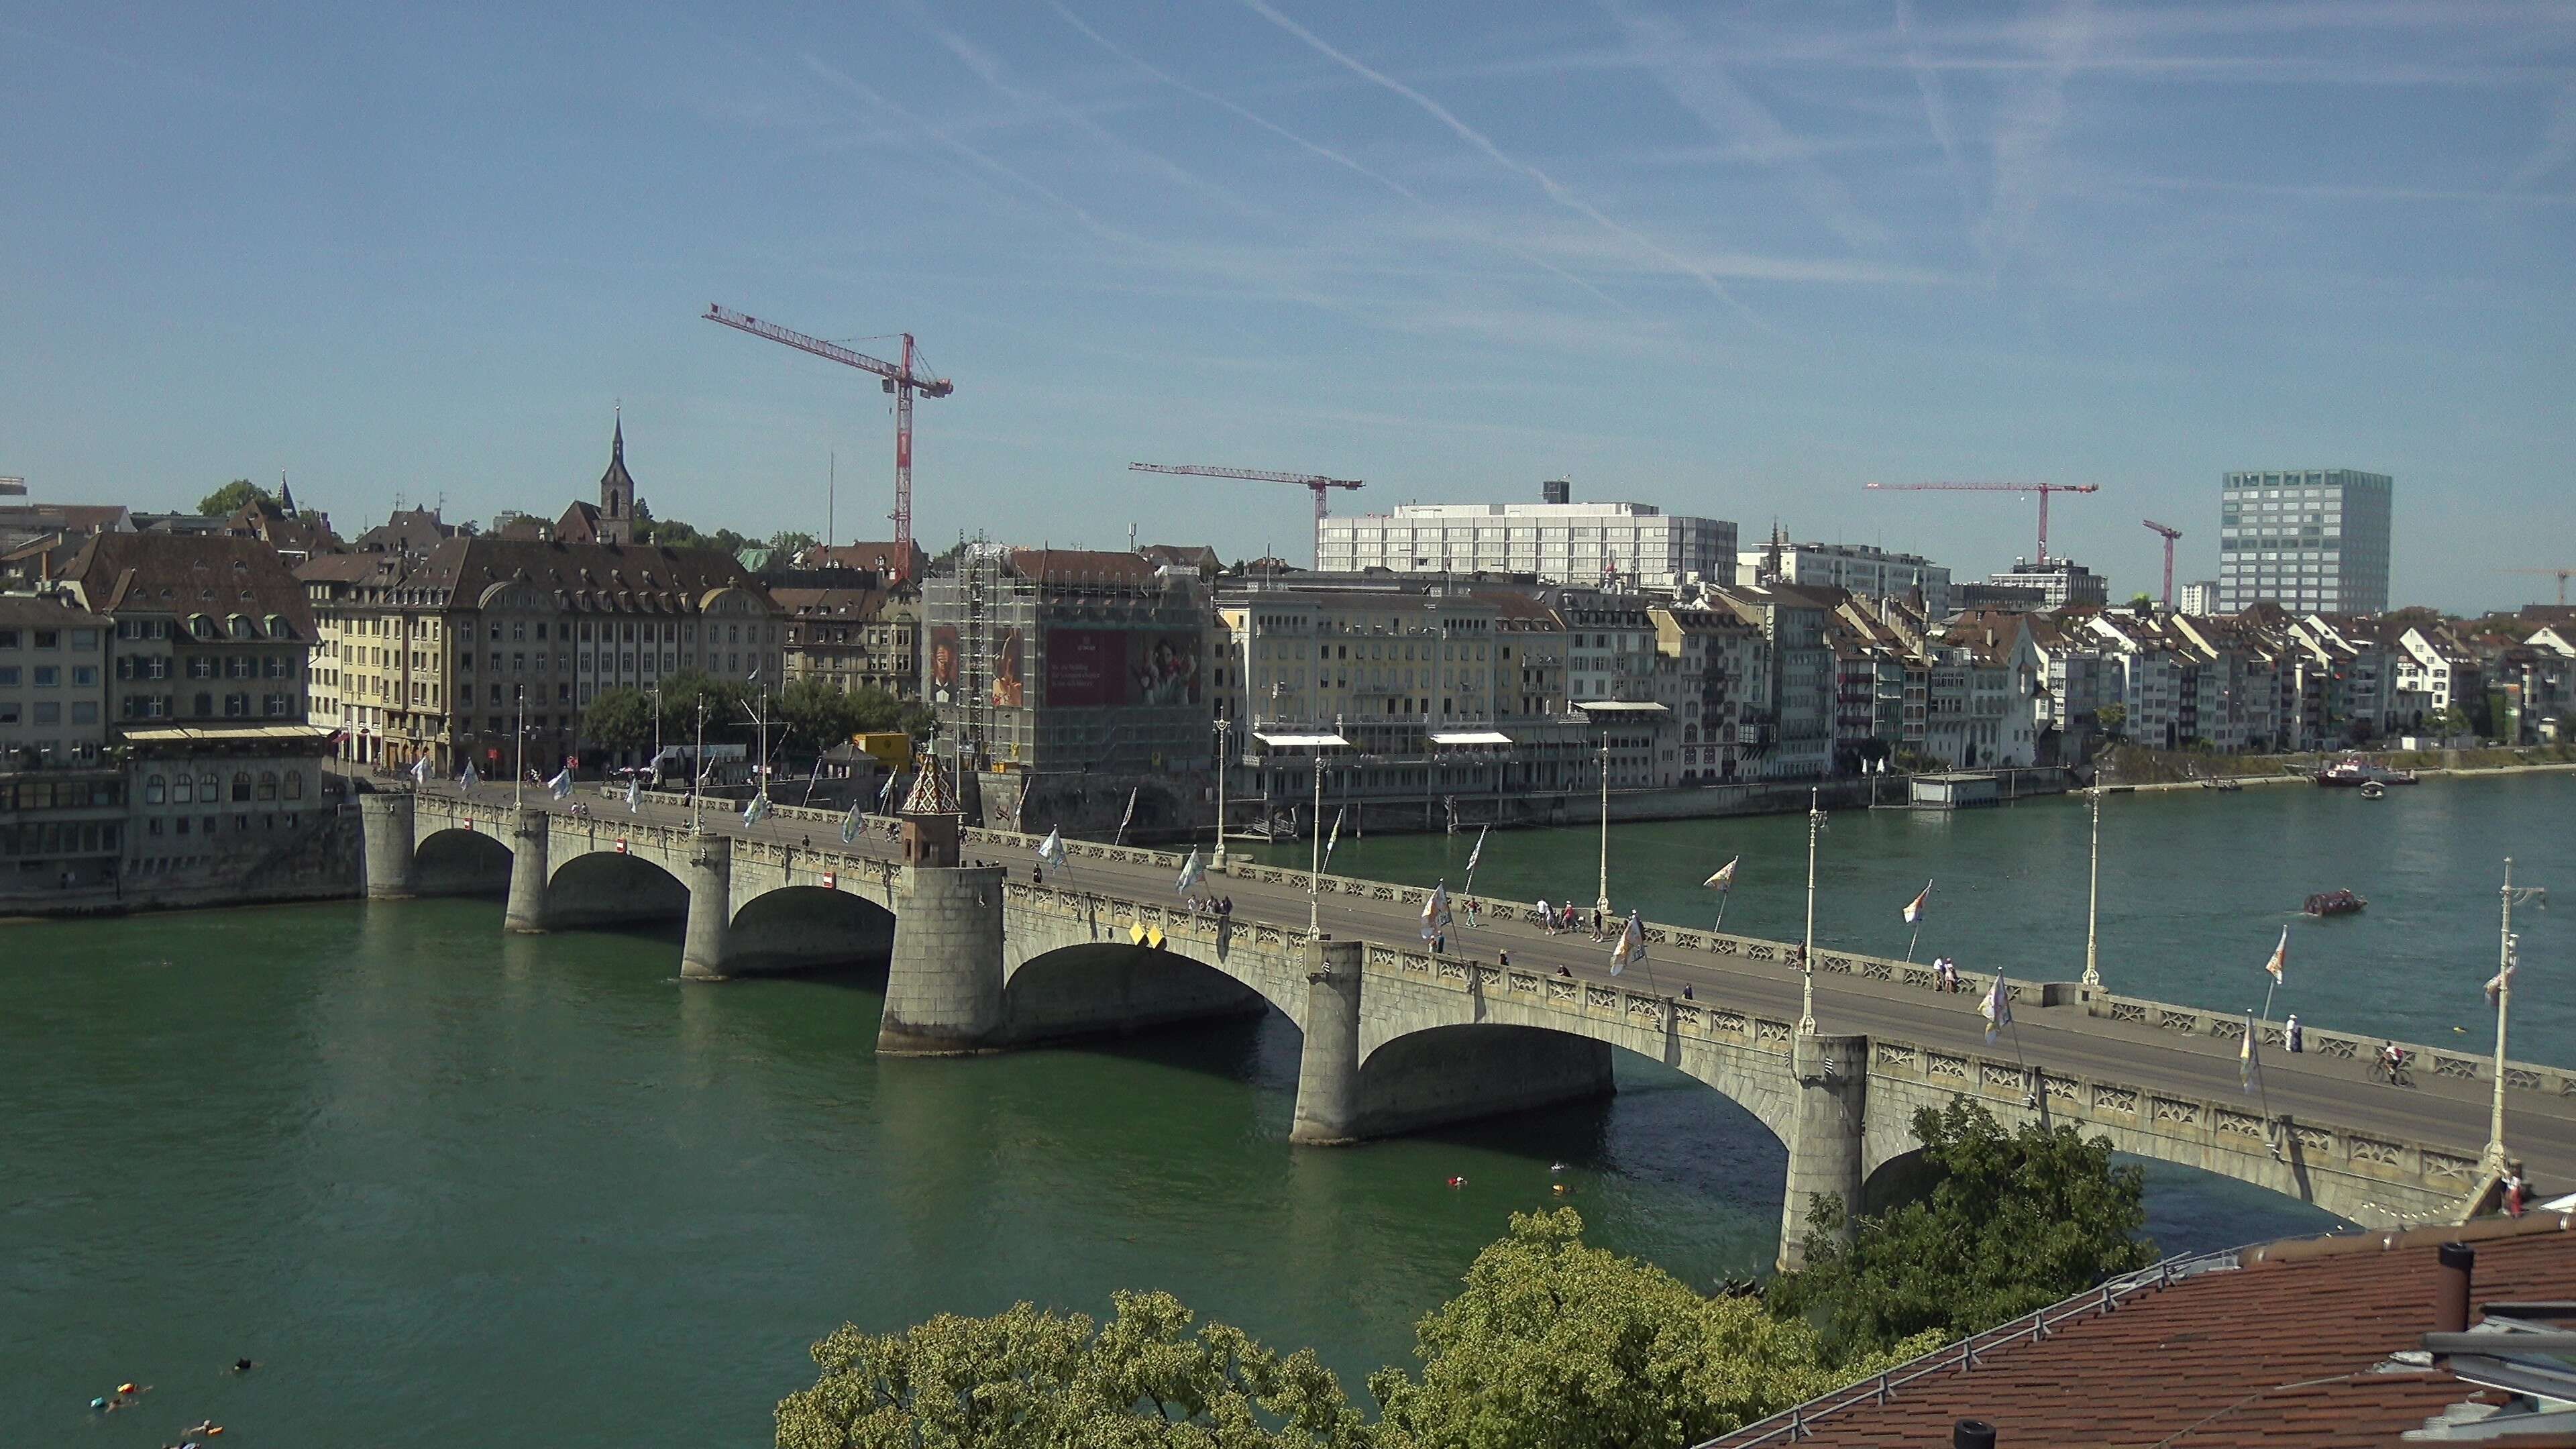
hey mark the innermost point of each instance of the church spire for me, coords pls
(617, 489)
(617, 435)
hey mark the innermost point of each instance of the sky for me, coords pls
(1733, 260)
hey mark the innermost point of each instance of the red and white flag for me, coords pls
(1914, 908)
(2280, 957)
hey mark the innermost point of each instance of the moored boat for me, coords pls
(2333, 903)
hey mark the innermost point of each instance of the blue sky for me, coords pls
(1733, 260)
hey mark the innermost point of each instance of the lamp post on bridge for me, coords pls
(1603, 903)
(1315, 852)
(2494, 1160)
(1224, 764)
(2093, 902)
(1807, 953)
(519, 760)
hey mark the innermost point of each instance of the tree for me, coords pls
(618, 719)
(1558, 1345)
(2113, 718)
(2011, 1223)
(2450, 722)
(2142, 603)
(792, 541)
(227, 500)
(1032, 1379)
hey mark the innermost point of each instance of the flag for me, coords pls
(1126, 815)
(1191, 871)
(850, 824)
(634, 794)
(756, 809)
(561, 785)
(1478, 853)
(1914, 908)
(469, 779)
(1435, 911)
(1333, 839)
(1996, 1008)
(420, 771)
(2246, 1068)
(1724, 880)
(1631, 948)
(885, 797)
(1051, 849)
(2280, 957)
(2499, 981)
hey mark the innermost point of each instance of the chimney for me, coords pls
(2451, 1288)
(1972, 1434)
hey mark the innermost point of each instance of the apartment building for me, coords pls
(53, 683)
(1857, 568)
(209, 629)
(2311, 540)
(853, 638)
(1584, 545)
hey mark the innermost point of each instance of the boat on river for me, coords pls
(2333, 903)
(2372, 789)
(2219, 782)
(2353, 771)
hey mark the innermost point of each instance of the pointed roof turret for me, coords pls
(285, 497)
(930, 792)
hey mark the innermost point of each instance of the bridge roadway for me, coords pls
(2069, 1036)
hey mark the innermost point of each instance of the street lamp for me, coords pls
(2494, 1161)
(697, 773)
(2093, 902)
(1603, 904)
(1807, 955)
(519, 774)
(1224, 761)
(1315, 853)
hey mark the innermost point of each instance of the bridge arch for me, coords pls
(460, 863)
(609, 888)
(1090, 988)
(1450, 1072)
(802, 927)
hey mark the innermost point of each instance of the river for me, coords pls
(451, 1187)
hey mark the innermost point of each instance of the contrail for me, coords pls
(1546, 183)
(1326, 152)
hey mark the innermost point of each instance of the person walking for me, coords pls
(2293, 1035)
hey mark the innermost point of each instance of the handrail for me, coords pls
(1961, 1356)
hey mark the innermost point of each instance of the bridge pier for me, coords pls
(1328, 1067)
(386, 845)
(1831, 1075)
(702, 953)
(944, 982)
(528, 835)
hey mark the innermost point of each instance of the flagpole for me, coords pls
(2093, 901)
(1722, 897)
(1315, 854)
(1807, 953)
(1910, 940)
(2494, 1160)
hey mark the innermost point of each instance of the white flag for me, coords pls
(1127, 815)
(2248, 1071)
(1996, 1008)
(1478, 853)
(1051, 849)
(1435, 911)
(757, 810)
(1191, 870)
(634, 794)
(2280, 957)
(2497, 983)
(1333, 839)
(1724, 880)
(420, 771)
(850, 824)
(1632, 945)
(1915, 907)
(561, 785)
(469, 779)
(885, 797)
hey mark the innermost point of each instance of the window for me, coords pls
(48, 676)
(241, 785)
(295, 784)
(268, 784)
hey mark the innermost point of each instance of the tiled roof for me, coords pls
(606, 577)
(31, 611)
(188, 573)
(882, 557)
(2285, 1354)
(830, 603)
(1081, 566)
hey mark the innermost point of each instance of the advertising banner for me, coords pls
(1118, 668)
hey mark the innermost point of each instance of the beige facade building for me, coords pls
(854, 638)
(449, 654)
(209, 629)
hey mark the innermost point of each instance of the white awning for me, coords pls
(1619, 706)
(1299, 740)
(1471, 737)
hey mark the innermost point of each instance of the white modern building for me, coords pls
(2060, 582)
(1586, 545)
(1858, 568)
(2200, 599)
(2313, 540)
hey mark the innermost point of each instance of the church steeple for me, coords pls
(617, 489)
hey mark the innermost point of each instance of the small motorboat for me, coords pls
(2372, 790)
(2333, 903)
(2218, 782)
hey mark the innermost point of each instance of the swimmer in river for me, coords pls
(243, 1365)
(1457, 1182)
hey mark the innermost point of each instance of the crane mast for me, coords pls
(2169, 534)
(901, 379)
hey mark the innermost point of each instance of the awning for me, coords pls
(1299, 740)
(218, 734)
(1471, 737)
(1619, 706)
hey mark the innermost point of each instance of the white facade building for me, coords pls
(1855, 567)
(2314, 540)
(1580, 544)
(2200, 599)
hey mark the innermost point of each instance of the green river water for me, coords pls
(450, 1187)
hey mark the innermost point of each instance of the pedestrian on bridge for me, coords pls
(2294, 1036)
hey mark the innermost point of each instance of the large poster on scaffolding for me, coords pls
(1118, 668)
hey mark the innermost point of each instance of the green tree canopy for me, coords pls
(2013, 1222)
(792, 541)
(2112, 717)
(1032, 1379)
(229, 498)
(1555, 1344)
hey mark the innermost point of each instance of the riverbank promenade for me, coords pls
(984, 956)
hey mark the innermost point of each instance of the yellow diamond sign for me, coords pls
(1154, 938)
(1136, 933)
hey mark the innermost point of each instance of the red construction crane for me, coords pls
(2042, 489)
(2170, 534)
(2563, 576)
(899, 379)
(1321, 485)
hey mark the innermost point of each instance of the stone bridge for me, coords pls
(1397, 1039)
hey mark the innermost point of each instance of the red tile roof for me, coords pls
(2284, 1354)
